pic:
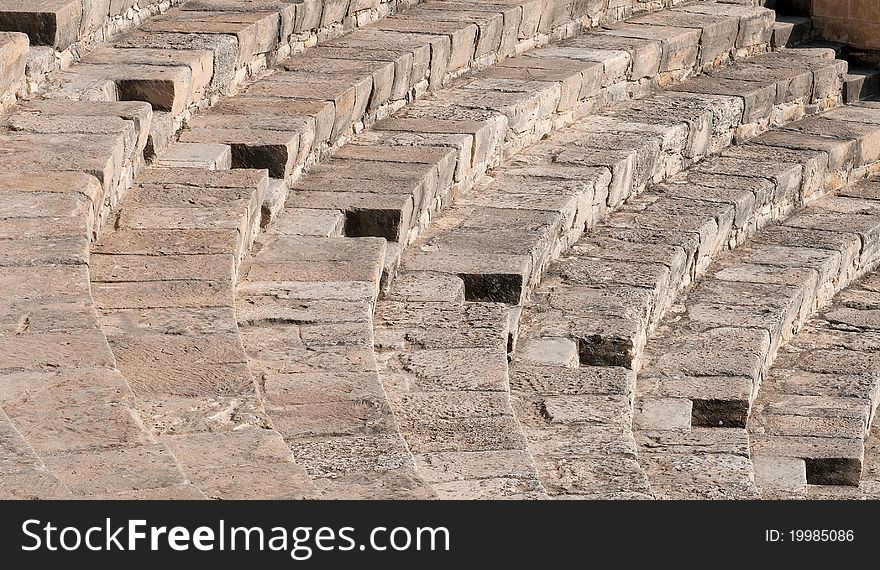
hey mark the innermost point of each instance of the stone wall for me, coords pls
(853, 22)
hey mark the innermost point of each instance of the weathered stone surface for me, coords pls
(663, 414)
(164, 278)
(107, 473)
(53, 23)
(262, 454)
(704, 476)
(600, 477)
(197, 155)
(474, 466)
(538, 379)
(99, 156)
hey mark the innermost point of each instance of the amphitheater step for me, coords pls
(652, 139)
(816, 406)
(790, 30)
(196, 155)
(448, 389)
(47, 111)
(60, 389)
(105, 140)
(304, 306)
(861, 84)
(360, 77)
(256, 32)
(46, 22)
(163, 284)
(189, 212)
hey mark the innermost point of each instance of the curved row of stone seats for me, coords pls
(145, 232)
(817, 403)
(597, 306)
(197, 64)
(68, 417)
(351, 82)
(650, 140)
(588, 322)
(13, 57)
(163, 285)
(99, 145)
(63, 31)
(704, 369)
(194, 55)
(444, 141)
(770, 289)
(487, 118)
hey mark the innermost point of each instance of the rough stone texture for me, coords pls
(813, 391)
(476, 296)
(851, 22)
(192, 387)
(13, 56)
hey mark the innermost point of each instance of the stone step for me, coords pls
(365, 75)
(13, 57)
(510, 220)
(168, 80)
(823, 386)
(304, 307)
(46, 22)
(163, 284)
(444, 367)
(60, 390)
(62, 23)
(277, 27)
(105, 140)
(61, 31)
(205, 156)
(186, 211)
(660, 241)
(791, 30)
(861, 84)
